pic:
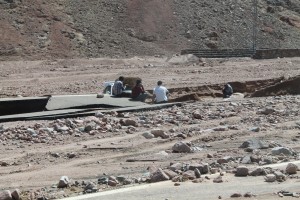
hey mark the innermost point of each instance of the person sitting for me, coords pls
(160, 93)
(138, 92)
(118, 87)
(227, 91)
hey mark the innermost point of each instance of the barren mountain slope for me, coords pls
(95, 28)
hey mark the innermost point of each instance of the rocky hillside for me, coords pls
(114, 28)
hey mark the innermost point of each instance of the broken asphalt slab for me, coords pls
(88, 101)
(84, 105)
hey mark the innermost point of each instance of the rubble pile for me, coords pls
(192, 129)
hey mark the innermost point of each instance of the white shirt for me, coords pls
(160, 94)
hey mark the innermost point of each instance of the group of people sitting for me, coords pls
(138, 93)
(160, 93)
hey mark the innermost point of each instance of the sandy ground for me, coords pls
(32, 167)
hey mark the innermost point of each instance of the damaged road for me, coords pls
(93, 151)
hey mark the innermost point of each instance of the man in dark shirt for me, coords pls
(138, 92)
(227, 91)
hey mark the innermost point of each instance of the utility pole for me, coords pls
(254, 28)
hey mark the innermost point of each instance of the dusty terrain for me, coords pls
(67, 46)
(35, 164)
(114, 28)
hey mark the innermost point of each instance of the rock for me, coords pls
(171, 174)
(197, 173)
(221, 128)
(16, 194)
(255, 158)
(62, 129)
(127, 181)
(282, 150)
(88, 128)
(266, 111)
(236, 195)
(270, 178)
(4, 163)
(181, 147)
(159, 133)
(226, 159)
(91, 186)
(177, 179)
(148, 135)
(121, 179)
(198, 180)
(209, 155)
(176, 166)
(176, 184)
(113, 178)
(5, 195)
(246, 160)
(279, 176)
(152, 169)
(205, 169)
(214, 170)
(291, 168)
(130, 122)
(71, 155)
(197, 115)
(295, 194)
(99, 114)
(255, 129)
(254, 144)
(112, 183)
(218, 179)
(63, 182)
(103, 180)
(257, 172)
(190, 175)
(158, 176)
(248, 195)
(242, 171)
(31, 131)
(100, 95)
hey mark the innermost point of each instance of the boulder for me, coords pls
(291, 168)
(190, 175)
(16, 194)
(270, 178)
(170, 173)
(219, 179)
(181, 147)
(63, 182)
(158, 176)
(176, 166)
(148, 135)
(5, 195)
(130, 122)
(159, 133)
(282, 150)
(242, 171)
(254, 144)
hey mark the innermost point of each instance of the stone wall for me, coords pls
(276, 53)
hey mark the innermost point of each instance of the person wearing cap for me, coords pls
(118, 87)
(138, 92)
(160, 93)
(227, 91)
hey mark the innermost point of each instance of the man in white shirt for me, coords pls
(160, 93)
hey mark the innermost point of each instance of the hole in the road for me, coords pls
(257, 88)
